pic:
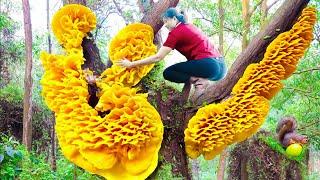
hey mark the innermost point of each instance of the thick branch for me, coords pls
(153, 15)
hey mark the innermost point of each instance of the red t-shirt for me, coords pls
(191, 42)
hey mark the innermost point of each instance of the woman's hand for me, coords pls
(124, 63)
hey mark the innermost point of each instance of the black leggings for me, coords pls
(211, 68)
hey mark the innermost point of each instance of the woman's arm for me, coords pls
(163, 51)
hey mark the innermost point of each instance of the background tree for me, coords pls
(27, 103)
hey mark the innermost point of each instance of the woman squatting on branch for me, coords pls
(204, 62)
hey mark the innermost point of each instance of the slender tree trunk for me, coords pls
(222, 164)
(51, 117)
(27, 101)
(172, 149)
(83, 2)
(263, 14)
(221, 27)
(243, 168)
(48, 27)
(245, 23)
(75, 176)
(223, 155)
(53, 144)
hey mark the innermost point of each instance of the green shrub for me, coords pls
(10, 159)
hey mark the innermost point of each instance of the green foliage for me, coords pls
(17, 163)
(12, 93)
(154, 80)
(10, 159)
(208, 168)
(4, 21)
(165, 172)
(164, 94)
(7, 23)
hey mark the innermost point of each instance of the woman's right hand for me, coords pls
(124, 63)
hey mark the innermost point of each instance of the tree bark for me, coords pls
(153, 16)
(27, 100)
(282, 21)
(245, 23)
(264, 13)
(51, 117)
(222, 164)
(172, 148)
(83, 2)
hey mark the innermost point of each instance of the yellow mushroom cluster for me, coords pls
(216, 126)
(134, 42)
(121, 136)
(71, 24)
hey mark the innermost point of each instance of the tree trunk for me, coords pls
(221, 27)
(83, 2)
(172, 148)
(243, 168)
(222, 164)
(48, 27)
(263, 14)
(53, 144)
(153, 16)
(282, 21)
(27, 101)
(245, 23)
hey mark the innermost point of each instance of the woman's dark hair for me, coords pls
(172, 12)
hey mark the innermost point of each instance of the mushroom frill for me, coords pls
(124, 143)
(216, 126)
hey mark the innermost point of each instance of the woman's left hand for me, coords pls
(124, 63)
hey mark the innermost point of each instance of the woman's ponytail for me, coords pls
(172, 12)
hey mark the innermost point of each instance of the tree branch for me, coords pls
(251, 11)
(307, 70)
(310, 124)
(120, 11)
(274, 2)
(299, 90)
(152, 17)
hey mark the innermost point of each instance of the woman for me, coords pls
(204, 62)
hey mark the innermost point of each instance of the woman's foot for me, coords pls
(200, 86)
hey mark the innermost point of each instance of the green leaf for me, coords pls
(18, 153)
(266, 37)
(9, 150)
(1, 157)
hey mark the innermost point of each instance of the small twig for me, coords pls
(307, 70)
(296, 89)
(308, 125)
(274, 2)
